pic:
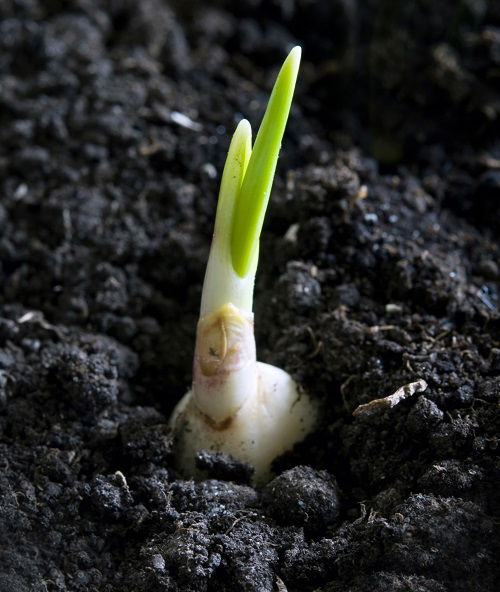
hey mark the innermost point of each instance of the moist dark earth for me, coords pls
(379, 268)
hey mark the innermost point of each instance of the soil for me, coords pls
(379, 269)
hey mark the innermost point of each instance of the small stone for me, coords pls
(158, 562)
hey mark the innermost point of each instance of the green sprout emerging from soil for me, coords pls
(238, 406)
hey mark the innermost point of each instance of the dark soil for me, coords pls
(380, 267)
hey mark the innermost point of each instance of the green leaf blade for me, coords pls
(253, 196)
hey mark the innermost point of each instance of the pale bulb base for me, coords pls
(263, 428)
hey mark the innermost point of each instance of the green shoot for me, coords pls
(253, 196)
(243, 197)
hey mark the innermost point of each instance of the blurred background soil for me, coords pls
(380, 266)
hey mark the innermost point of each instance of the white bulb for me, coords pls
(272, 419)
